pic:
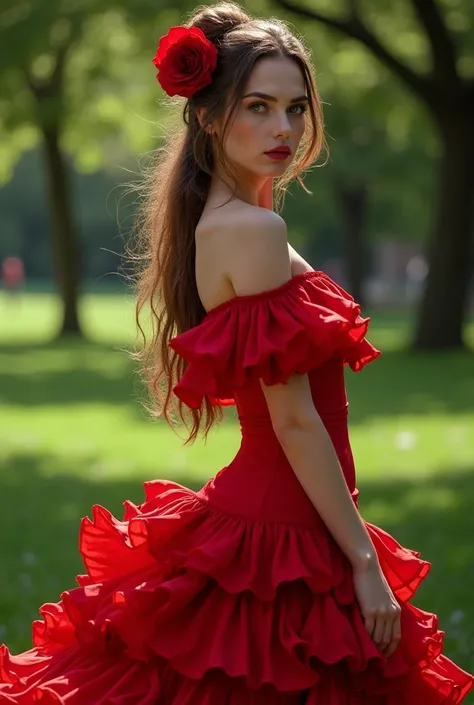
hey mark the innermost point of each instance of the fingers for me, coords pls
(386, 639)
(387, 632)
(369, 623)
(385, 629)
(396, 636)
(382, 624)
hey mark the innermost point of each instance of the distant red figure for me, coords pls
(13, 273)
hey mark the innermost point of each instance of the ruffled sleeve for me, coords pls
(271, 335)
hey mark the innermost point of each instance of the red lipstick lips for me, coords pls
(279, 153)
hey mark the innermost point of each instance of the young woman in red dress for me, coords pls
(265, 587)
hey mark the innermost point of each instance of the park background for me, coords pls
(390, 217)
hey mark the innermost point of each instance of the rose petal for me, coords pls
(186, 60)
(178, 34)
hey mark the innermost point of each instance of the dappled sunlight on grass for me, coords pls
(411, 444)
(113, 442)
(36, 318)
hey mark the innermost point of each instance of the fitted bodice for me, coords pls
(260, 462)
(307, 326)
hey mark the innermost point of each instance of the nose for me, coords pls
(282, 124)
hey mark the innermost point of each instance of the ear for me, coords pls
(201, 116)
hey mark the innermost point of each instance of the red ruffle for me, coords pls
(271, 335)
(185, 604)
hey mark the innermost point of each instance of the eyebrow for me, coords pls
(265, 96)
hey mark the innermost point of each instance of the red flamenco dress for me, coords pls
(237, 594)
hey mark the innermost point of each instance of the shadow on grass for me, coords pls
(399, 383)
(40, 518)
(67, 373)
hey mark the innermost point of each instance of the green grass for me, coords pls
(73, 433)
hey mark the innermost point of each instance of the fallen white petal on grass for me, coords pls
(29, 558)
(405, 440)
(456, 617)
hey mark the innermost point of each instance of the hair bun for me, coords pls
(219, 19)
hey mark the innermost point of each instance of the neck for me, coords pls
(247, 188)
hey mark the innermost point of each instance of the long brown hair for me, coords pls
(177, 186)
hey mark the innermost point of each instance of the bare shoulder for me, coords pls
(257, 229)
(236, 219)
(254, 249)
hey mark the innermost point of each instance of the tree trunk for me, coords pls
(64, 240)
(353, 200)
(445, 301)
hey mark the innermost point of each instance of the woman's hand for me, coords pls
(379, 607)
(265, 196)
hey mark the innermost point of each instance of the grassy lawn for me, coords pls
(73, 433)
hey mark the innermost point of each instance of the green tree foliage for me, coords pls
(74, 76)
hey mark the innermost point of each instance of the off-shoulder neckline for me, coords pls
(243, 298)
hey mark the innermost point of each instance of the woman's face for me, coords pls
(271, 115)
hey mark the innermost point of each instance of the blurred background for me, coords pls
(390, 218)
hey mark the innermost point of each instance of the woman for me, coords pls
(265, 587)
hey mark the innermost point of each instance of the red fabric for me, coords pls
(272, 335)
(237, 594)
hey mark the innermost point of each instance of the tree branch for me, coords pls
(43, 89)
(353, 8)
(353, 27)
(442, 47)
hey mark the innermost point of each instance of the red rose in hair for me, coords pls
(185, 60)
